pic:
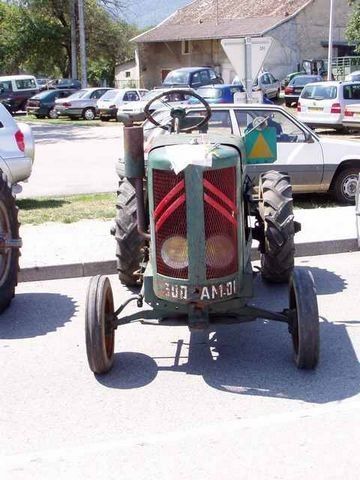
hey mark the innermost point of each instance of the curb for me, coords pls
(108, 267)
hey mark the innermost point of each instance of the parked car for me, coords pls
(108, 104)
(295, 86)
(15, 91)
(42, 104)
(351, 117)
(16, 149)
(353, 76)
(220, 93)
(193, 77)
(64, 83)
(16, 159)
(134, 111)
(315, 164)
(266, 82)
(323, 104)
(81, 104)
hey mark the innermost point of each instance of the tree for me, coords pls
(353, 27)
(35, 37)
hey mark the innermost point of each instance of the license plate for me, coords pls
(211, 292)
(315, 109)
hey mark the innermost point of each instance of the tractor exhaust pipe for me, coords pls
(135, 171)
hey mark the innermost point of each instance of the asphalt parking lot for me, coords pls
(180, 405)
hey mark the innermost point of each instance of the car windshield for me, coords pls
(177, 76)
(209, 92)
(79, 94)
(319, 92)
(303, 80)
(110, 94)
(151, 95)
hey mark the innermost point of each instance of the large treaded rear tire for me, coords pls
(128, 240)
(276, 210)
(9, 258)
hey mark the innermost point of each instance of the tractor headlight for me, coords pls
(220, 251)
(174, 252)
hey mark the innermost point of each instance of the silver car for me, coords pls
(16, 149)
(266, 82)
(81, 104)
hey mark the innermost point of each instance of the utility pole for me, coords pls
(73, 39)
(330, 45)
(82, 44)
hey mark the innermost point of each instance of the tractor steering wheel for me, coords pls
(177, 112)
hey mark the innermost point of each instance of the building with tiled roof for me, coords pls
(191, 36)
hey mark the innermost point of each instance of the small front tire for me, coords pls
(99, 326)
(304, 326)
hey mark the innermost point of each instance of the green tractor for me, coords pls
(184, 231)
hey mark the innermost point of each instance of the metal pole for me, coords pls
(82, 44)
(330, 46)
(73, 39)
(248, 75)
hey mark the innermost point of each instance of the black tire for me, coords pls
(128, 240)
(304, 327)
(288, 104)
(276, 211)
(9, 258)
(99, 329)
(39, 116)
(88, 114)
(52, 114)
(345, 183)
(105, 119)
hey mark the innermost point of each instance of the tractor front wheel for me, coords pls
(9, 231)
(129, 242)
(304, 324)
(99, 325)
(276, 211)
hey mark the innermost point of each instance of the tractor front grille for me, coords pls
(220, 212)
(169, 215)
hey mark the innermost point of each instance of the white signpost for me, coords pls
(247, 56)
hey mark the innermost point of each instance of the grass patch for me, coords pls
(67, 209)
(314, 201)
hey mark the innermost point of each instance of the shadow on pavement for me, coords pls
(44, 313)
(256, 358)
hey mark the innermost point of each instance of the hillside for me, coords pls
(148, 13)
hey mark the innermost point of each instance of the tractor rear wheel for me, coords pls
(304, 327)
(276, 211)
(129, 242)
(99, 326)
(9, 230)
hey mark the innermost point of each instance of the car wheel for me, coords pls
(39, 116)
(52, 114)
(345, 185)
(88, 114)
(104, 119)
(288, 104)
(9, 234)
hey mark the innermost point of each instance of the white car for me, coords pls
(16, 158)
(134, 111)
(323, 104)
(315, 164)
(16, 149)
(108, 104)
(352, 116)
(81, 104)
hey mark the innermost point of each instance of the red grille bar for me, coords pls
(220, 222)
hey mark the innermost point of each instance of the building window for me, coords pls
(127, 74)
(186, 47)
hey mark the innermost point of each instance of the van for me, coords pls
(322, 104)
(16, 89)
